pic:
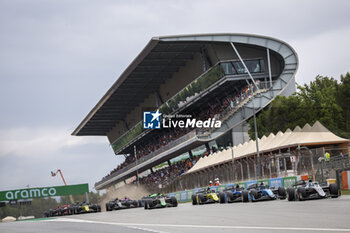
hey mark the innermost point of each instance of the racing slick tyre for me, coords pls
(282, 193)
(254, 193)
(145, 204)
(173, 201)
(98, 208)
(301, 193)
(139, 202)
(135, 204)
(194, 200)
(150, 204)
(291, 194)
(222, 198)
(333, 190)
(108, 208)
(245, 196)
(230, 197)
(201, 199)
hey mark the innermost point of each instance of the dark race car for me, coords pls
(231, 194)
(79, 208)
(205, 196)
(311, 190)
(262, 192)
(65, 210)
(125, 203)
(159, 201)
(51, 212)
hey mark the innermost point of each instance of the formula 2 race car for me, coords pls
(65, 210)
(311, 190)
(159, 201)
(262, 192)
(79, 208)
(205, 196)
(51, 212)
(231, 194)
(124, 203)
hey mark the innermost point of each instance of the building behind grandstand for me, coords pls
(222, 77)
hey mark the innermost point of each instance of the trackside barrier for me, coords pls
(289, 181)
(276, 182)
(345, 176)
(185, 196)
(221, 188)
(250, 182)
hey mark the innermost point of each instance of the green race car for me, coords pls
(159, 201)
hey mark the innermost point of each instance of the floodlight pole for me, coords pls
(255, 126)
(233, 163)
(137, 170)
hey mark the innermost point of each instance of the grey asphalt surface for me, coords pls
(328, 215)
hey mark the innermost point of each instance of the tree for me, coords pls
(324, 99)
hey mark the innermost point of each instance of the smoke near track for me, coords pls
(131, 191)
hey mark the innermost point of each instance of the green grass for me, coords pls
(36, 219)
(345, 192)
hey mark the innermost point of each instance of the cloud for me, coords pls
(58, 58)
(29, 154)
(34, 142)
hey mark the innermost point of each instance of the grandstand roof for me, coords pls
(307, 136)
(158, 61)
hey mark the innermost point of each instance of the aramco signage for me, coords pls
(43, 192)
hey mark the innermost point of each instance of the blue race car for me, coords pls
(231, 194)
(262, 192)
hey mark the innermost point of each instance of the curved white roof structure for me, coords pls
(307, 136)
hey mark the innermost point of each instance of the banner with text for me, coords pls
(40, 192)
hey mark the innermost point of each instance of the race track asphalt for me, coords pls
(328, 215)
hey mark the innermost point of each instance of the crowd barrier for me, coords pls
(185, 196)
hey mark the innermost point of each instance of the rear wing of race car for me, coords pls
(299, 182)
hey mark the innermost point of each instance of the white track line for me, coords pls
(201, 226)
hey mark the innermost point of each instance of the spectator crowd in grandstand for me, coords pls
(216, 109)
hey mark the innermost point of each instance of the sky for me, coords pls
(58, 58)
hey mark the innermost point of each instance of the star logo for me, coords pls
(151, 120)
(156, 115)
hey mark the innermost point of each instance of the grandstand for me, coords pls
(222, 77)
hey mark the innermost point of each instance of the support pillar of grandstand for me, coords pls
(278, 166)
(159, 99)
(237, 135)
(203, 60)
(257, 88)
(270, 169)
(169, 163)
(285, 166)
(190, 154)
(248, 169)
(269, 67)
(207, 146)
(241, 165)
(125, 125)
(152, 170)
